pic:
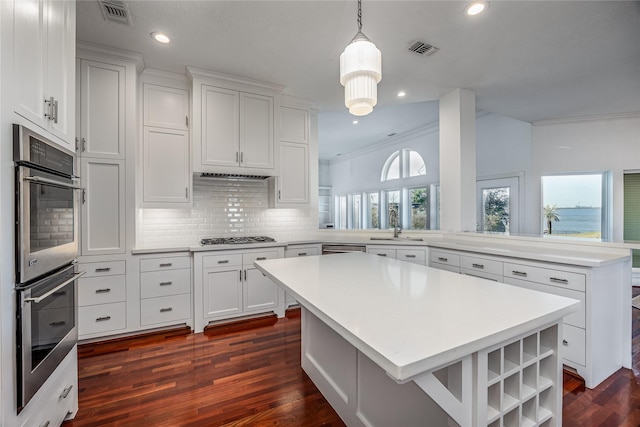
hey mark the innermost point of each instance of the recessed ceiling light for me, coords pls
(401, 93)
(476, 7)
(160, 37)
(355, 122)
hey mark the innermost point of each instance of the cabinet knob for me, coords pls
(565, 342)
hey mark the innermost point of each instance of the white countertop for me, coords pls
(408, 318)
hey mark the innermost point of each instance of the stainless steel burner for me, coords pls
(235, 240)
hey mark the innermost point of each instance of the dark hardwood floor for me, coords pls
(250, 375)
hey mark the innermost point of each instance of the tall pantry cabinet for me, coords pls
(106, 140)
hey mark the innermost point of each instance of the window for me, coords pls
(356, 211)
(632, 212)
(404, 163)
(576, 205)
(341, 212)
(418, 214)
(495, 209)
(392, 213)
(372, 211)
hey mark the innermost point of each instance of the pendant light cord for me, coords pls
(359, 16)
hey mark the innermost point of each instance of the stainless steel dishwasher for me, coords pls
(341, 249)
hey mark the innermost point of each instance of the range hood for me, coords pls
(233, 176)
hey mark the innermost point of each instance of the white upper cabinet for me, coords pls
(166, 153)
(294, 125)
(44, 66)
(166, 107)
(102, 102)
(234, 124)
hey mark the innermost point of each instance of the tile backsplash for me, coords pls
(223, 208)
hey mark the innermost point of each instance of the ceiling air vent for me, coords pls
(116, 11)
(422, 48)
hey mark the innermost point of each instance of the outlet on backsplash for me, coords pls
(223, 208)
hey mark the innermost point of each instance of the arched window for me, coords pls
(404, 163)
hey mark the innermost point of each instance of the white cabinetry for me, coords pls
(102, 294)
(293, 251)
(227, 285)
(413, 255)
(165, 290)
(593, 342)
(234, 124)
(291, 187)
(44, 72)
(166, 154)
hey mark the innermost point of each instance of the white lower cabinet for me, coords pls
(293, 251)
(592, 342)
(165, 290)
(57, 400)
(228, 285)
(102, 294)
(412, 255)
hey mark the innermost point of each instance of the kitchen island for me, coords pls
(393, 343)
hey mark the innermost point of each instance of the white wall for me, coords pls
(595, 145)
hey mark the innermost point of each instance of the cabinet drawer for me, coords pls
(250, 258)
(481, 265)
(301, 251)
(577, 318)
(101, 290)
(162, 283)
(444, 258)
(416, 256)
(389, 253)
(93, 319)
(558, 278)
(212, 261)
(165, 309)
(451, 268)
(169, 263)
(481, 274)
(107, 268)
(573, 347)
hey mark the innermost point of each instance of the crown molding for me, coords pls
(117, 54)
(582, 119)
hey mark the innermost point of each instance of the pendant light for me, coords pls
(360, 72)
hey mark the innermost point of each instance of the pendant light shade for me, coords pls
(360, 72)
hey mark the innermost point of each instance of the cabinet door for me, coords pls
(293, 184)
(220, 127)
(29, 43)
(260, 293)
(103, 207)
(256, 131)
(222, 292)
(102, 110)
(166, 107)
(60, 68)
(166, 176)
(294, 125)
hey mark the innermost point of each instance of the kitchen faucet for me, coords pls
(393, 218)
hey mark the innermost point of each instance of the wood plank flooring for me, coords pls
(252, 377)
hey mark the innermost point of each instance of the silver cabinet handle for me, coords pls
(84, 144)
(165, 310)
(410, 256)
(46, 424)
(49, 104)
(237, 159)
(261, 258)
(302, 253)
(381, 254)
(242, 157)
(223, 261)
(166, 283)
(279, 195)
(166, 264)
(66, 392)
(103, 269)
(480, 266)
(60, 323)
(103, 318)
(55, 111)
(558, 280)
(443, 259)
(84, 196)
(245, 275)
(103, 291)
(519, 273)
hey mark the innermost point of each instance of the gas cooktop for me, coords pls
(235, 240)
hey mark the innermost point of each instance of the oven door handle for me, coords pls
(57, 288)
(41, 180)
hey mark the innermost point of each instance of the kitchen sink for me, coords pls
(398, 239)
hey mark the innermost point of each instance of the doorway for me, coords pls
(498, 204)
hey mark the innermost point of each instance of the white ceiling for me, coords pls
(529, 60)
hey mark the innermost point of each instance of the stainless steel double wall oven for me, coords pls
(46, 250)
